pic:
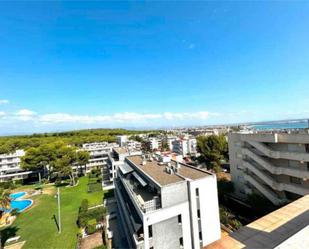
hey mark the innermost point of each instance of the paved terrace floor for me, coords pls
(274, 230)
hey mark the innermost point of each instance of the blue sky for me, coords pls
(70, 65)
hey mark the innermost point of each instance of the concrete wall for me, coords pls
(167, 237)
(207, 203)
(174, 194)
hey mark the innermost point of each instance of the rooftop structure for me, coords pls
(284, 228)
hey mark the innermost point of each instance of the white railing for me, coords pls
(146, 206)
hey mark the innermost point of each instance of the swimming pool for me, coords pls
(20, 205)
(17, 195)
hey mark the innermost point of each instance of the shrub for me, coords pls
(82, 220)
(84, 206)
(90, 229)
(97, 213)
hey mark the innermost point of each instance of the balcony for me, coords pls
(298, 156)
(269, 194)
(279, 186)
(274, 169)
(147, 201)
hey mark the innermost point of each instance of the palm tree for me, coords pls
(5, 200)
(5, 203)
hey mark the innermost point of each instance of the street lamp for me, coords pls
(58, 200)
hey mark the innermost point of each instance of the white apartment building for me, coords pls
(154, 143)
(98, 152)
(10, 167)
(275, 165)
(169, 140)
(133, 145)
(185, 146)
(166, 205)
(115, 158)
(122, 140)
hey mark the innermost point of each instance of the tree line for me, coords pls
(9, 144)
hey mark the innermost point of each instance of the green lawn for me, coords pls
(37, 225)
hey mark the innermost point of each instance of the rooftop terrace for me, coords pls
(157, 171)
(286, 227)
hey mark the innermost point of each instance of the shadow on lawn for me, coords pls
(56, 222)
(8, 233)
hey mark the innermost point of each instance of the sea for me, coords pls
(281, 125)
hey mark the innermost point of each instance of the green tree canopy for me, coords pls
(213, 150)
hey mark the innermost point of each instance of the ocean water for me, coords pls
(283, 125)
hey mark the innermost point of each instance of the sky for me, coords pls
(151, 64)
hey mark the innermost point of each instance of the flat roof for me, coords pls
(271, 231)
(158, 173)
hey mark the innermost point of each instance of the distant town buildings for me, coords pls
(166, 204)
(185, 146)
(275, 165)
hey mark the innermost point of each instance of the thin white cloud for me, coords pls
(2, 114)
(126, 117)
(4, 101)
(25, 115)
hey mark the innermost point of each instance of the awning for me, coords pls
(140, 180)
(125, 168)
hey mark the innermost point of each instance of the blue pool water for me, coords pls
(21, 204)
(17, 195)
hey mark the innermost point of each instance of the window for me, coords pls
(181, 241)
(200, 236)
(151, 247)
(197, 192)
(150, 231)
(179, 219)
(198, 214)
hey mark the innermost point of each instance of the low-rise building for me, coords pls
(98, 152)
(166, 205)
(10, 167)
(275, 165)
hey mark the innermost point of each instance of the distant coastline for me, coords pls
(288, 124)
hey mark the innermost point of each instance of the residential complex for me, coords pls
(98, 154)
(166, 204)
(275, 165)
(10, 167)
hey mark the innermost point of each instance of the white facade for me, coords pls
(275, 165)
(121, 140)
(154, 144)
(10, 166)
(185, 146)
(98, 152)
(166, 206)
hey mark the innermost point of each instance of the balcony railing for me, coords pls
(145, 206)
